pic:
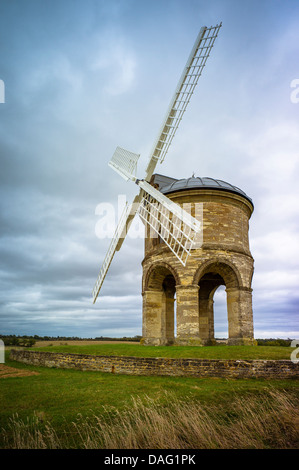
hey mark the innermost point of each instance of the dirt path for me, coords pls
(7, 371)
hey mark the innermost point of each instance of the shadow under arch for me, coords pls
(209, 277)
(159, 289)
(223, 267)
(155, 275)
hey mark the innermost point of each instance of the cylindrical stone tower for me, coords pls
(222, 257)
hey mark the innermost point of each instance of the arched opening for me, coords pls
(169, 305)
(220, 314)
(208, 285)
(159, 315)
(214, 280)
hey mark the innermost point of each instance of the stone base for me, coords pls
(209, 342)
(171, 342)
(241, 342)
(192, 341)
(157, 342)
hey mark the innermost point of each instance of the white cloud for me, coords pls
(118, 62)
(279, 248)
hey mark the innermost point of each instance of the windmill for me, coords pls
(176, 227)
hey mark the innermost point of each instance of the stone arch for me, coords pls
(159, 291)
(225, 268)
(156, 273)
(209, 276)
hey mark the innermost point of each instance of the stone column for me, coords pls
(158, 318)
(206, 320)
(240, 318)
(169, 318)
(245, 299)
(152, 317)
(187, 315)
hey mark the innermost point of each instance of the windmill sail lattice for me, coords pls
(118, 235)
(181, 98)
(124, 163)
(176, 227)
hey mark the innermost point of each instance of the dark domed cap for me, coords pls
(198, 183)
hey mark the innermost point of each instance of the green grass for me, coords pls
(205, 352)
(59, 395)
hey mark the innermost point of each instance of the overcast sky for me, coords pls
(84, 76)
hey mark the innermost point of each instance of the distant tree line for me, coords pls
(274, 342)
(27, 341)
(124, 338)
(13, 340)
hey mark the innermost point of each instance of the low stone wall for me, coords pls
(161, 366)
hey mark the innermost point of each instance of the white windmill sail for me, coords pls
(124, 163)
(116, 242)
(176, 227)
(181, 98)
(110, 253)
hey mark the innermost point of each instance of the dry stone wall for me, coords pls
(271, 369)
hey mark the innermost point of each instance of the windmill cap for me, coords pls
(166, 186)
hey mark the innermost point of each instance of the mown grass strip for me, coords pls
(205, 352)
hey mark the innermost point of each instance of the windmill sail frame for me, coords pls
(176, 227)
(124, 163)
(118, 235)
(181, 98)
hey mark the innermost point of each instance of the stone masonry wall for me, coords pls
(224, 252)
(282, 369)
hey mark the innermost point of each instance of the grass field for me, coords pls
(205, 352)
(38, 410)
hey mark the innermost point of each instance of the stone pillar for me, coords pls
(158, 318)
(152, 317)
(187, 316)
(245, 300)
(206, 320)
(240, 318)
(169, 319)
